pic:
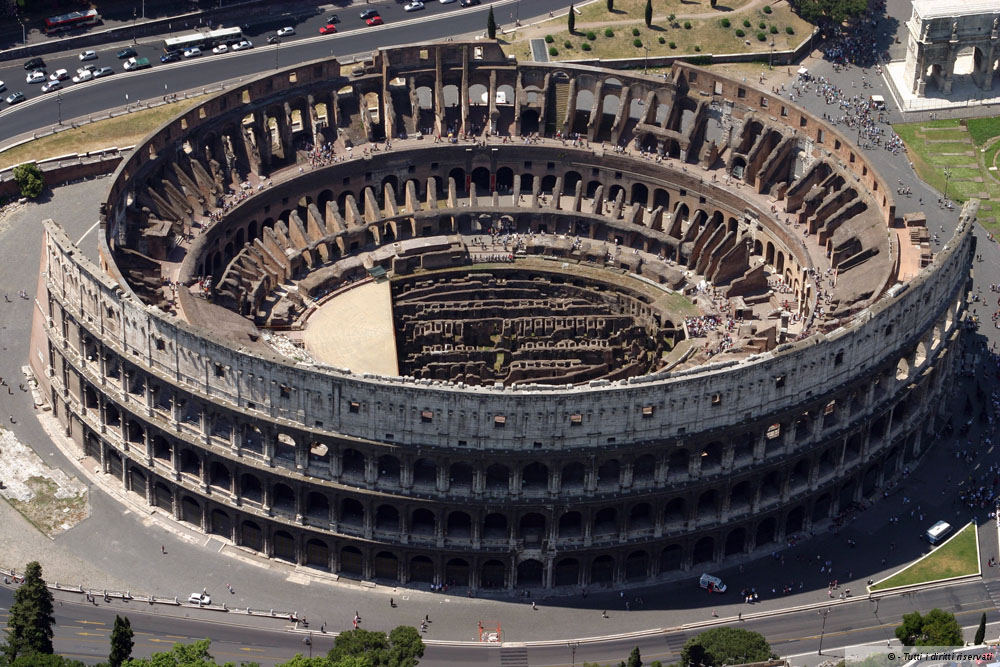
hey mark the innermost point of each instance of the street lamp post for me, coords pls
(24, 32)
(59, 104)
(135, 15)
(277, 45)
(308, 642)
(947, 177)
(822, 630)
(770, 54)
(645, 61)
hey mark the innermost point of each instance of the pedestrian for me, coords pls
(163, 549)
(534, 606)
(392, 603)
(427, 618)
(604, 614)
(739, 616)
(715, 614)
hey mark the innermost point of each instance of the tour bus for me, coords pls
(55, 24)
(203, 40)
(938, 532)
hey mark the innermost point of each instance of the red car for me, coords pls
(375, 20)
(328, 29)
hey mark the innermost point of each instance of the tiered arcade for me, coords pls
(629, 466)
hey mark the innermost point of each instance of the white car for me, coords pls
(103, 71)
(59, 75)
(193, 52)
(3, 86)
(83, 75)
(88, 55)
(38, 76)
(199, 599)
(446, 2)
(413, 6)
(50, 86)
(286, 31)
(221, 48)
(243, 45)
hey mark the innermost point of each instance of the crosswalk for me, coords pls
(993, 589)
(675, 642)
(515, 656)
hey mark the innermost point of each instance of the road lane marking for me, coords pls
(81, 241)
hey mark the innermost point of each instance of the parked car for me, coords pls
(375, 20)
(83, 75)
(3, 86)
(446, 2)
(221, 48)
(86, 68)
(38, 76)
(88, 55)
(103, 71)
(274, 39)
(468, 3)
(328, 29)
(333, 18)
(243, 45)
(14, 98)
(414, 6)
(193, 52)
(368, 13)
(171, 57)
(199, 599)
(127, 53)
(50, 86)
(59, 75)
(34, 63)
(286, 31)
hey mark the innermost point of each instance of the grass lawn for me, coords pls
(955, 558)
(968, 150)
(706, 34)
(635, 9)
(125, 130)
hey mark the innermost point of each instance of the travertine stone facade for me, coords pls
(414, 480)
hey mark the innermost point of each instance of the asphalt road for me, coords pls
(83, 632)
(354, 37)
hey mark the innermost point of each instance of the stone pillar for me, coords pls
(443, 481)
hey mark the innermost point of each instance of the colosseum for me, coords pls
(445, 317)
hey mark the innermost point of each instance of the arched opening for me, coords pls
(250, 489)
(670, 558)
(707, 504)
(481, 178)
(459, 526)
(386, 519)
(704, 551)
(532, 528)
(388, 470)
(353, 464)
(677, 464)
(190, 511)
(736, 542)
(351, 561)
(640, 518)
(674, 512)
(424, 473)
(421, 569)
(283, 498)
(535, 478)
(352, 514)
(317, 506)
(767, 532)
(608, 476)
(637, 566)
(251, 536)
(570, 525)
(795, 521)
(219, 477)
(495, 527)
(317, 554)
(602, 570)
(456, 572)
(284, 546)
(497, 479)
(386, 566)
(423, 522)
(572, 477)
(493, 574)
(461, 476)
(566, 572)
(505, 180)
(529, 574)
(221, 524)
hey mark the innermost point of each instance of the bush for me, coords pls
(553, 51)
(637, 43)
(673, 45)
(740, 33)
(767, 9)
(608, 32)
(761, 36)
(591, 35)
(790, 30)
(30, 179)
(697, 48)
(761, 25)
(549, 39)
(746, 23)
(662, 40)
(687, 25)
(774, 30)
(585, 46)
(635, 32)
(725, 23)
(568, 44)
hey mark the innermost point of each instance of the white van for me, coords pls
(712, 584)
(938, 532)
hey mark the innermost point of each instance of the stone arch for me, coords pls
(740, 497)
(640, 517)
(481, 178)
(535, 478)
(493, 574)
(605, 522)
(386, 566)
(283, 545)
(573, 477)
(570, 179)
(795, 521)
(767, 532)
(678, 463)
(219, 476)
(671, 558)
(530, 573)
(636, 566)
(456, 572)
(352, 464)
(424, 472)
(352, 513)
(675, 511)
(421, 569)
(639, 194)
(736, 542)
(317, 506)
(251, 489)
(531, 528)
(386, 518)
(495, 526)
(251, 536)
(459, 526)
(317, 554)
(566, 572)
(505, 180)
(461, 477)
(498, 478)
(602, 570)
(388, 470)
(423, 522)
(609, 475)
(351, 561)
(711, 458)
(283, 498)
(708, 504)
(570, 525)
(220, 524)
(704, 551)
(191, 511)
(644, 469)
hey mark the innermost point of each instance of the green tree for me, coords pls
(634, 659)
(29, 625)
(733, 646)
(611, 5)
(937, 628)
(30, 179)
(374, 645)
(491, 24)
(834, 12)
(981, 631)
(648, 15)
(670, 20)
(406, 646)
(121, 641)
(571, 20)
